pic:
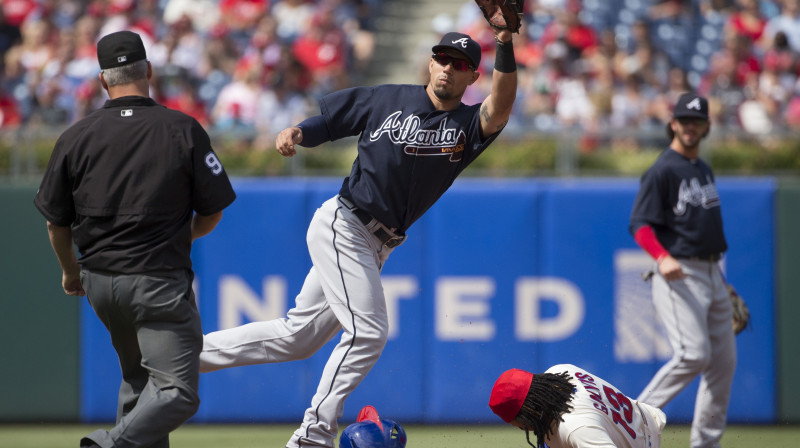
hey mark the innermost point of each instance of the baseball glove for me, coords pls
(741, 314)
(503, 14)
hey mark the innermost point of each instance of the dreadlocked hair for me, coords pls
(548, 399)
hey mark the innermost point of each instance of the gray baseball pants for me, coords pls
(697, 315)
(155, 329)
(342, 291)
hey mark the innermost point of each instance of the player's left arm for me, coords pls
(61, 240)
(496, 108)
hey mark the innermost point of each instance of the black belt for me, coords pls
(712, 258)
(387, 238)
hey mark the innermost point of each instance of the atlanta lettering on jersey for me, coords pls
(696, 195)
(442, 141)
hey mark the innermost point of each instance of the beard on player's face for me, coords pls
(452, 90)
(689, 142)
(690, 133)
(444, 93)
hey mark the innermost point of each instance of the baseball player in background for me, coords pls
(569, 407)
(676, 218)
(414, 140)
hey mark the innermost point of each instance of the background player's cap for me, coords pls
(120, 48)
(462, 43)
(509, 393)
(692, 106)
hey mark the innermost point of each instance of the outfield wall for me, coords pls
(38, 323)
(788, 309)
(499, 274)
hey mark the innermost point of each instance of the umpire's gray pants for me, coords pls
(155, 329)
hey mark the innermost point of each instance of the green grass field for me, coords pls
(261, 436)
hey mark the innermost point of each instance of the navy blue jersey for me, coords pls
(679, 199)
(409, 153)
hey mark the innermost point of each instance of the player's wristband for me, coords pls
(504, 61)
(315, 131)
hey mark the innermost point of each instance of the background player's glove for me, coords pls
(741, 314)
(503, 14)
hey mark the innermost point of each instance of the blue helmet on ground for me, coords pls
(370, 431)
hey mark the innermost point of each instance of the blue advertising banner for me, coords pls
(498, 274)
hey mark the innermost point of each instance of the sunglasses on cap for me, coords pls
(460, 65)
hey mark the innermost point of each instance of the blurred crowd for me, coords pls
(248, 66)
(257, 66)
(618, 66)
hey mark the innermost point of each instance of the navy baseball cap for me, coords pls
(691, 105)
(120, 48)
(462, 43)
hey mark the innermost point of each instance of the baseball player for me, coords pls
(413, 142)
(676, 218)
(568, 407)
(132, 185)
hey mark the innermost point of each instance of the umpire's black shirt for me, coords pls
(127, 178)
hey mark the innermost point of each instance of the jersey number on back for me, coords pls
(623, 404)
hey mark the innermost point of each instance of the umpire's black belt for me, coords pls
(385, 234)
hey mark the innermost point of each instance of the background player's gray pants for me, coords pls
(697, 314)
(155, 329)
(343, 290)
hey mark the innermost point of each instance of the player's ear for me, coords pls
(708, 129)
(475, 76)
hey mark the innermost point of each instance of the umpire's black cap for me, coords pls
(691, 105)
(120, 48)
(462, 43)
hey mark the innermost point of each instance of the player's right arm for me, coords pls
(343, 113)
(668, 266)
(648, 209)
(310, 133)
(286, 140)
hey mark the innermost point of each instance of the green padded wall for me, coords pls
(38, 322)
(788, 295)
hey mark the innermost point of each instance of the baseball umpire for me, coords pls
(132, 185)
(566, 406)
(676, 218)
(414, 140)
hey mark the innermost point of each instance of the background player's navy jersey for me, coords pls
(679, 199)
(408, 152)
